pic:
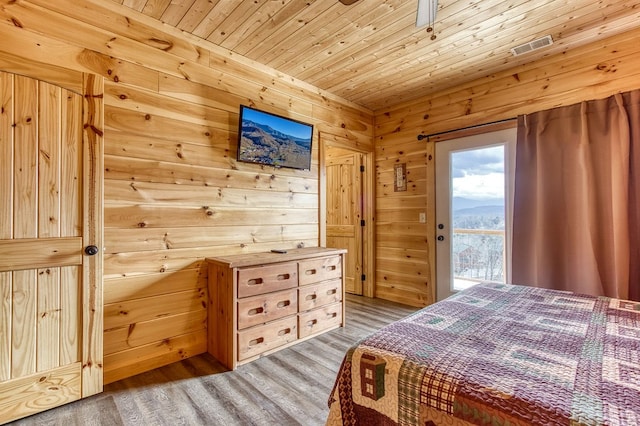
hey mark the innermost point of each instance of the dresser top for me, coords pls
(265, 258)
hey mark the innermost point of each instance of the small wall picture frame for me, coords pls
(400, 177)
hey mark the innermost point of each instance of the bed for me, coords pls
(497, 354)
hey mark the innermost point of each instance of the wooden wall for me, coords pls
(174, 193)
(405, 247)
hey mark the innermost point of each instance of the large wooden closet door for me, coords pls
(50, 290)
(344, 212)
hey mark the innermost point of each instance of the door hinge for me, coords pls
(362, 168)
(362, 222)
(363, 277)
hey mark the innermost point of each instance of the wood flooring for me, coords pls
(290, 387)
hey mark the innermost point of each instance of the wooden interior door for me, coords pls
(50, 209)
(344, 211)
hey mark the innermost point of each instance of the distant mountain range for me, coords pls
(263, 144)
(488, 207)
(248, 125)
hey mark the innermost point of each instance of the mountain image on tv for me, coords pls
(261, 143)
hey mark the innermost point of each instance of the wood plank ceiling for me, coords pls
(371, 53)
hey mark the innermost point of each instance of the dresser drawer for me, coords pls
(256, 340)
(266, 307)
(316, 295)
(265, 279)
(312, 322)
(322, 269)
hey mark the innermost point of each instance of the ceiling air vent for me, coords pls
(532, 45)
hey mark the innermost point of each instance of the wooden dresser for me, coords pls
(263, 302)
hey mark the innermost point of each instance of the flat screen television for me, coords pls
(273, 140)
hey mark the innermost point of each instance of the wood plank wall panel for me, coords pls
(402, 246)
(405, 247)
(174, 193)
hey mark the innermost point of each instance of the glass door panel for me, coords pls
(473, 193)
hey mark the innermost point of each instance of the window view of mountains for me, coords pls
(478, 214)
(261, 143)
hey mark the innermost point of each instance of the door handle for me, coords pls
(91, 250)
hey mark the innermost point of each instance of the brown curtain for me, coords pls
(576, 218)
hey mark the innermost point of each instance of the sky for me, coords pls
(479, 173)
(280, 124)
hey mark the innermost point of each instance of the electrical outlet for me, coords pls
(423, 217)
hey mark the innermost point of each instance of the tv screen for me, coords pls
(270, 139)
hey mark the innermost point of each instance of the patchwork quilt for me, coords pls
(497, 354)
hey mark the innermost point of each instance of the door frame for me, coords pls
(93, 234)
(327, 140)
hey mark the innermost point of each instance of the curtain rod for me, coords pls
(421, 136)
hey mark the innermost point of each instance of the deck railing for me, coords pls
(478, 255)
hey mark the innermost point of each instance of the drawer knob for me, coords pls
(312, 323)
(283, 277)
(255, 281)
(310, 297)
(332, 291)
(284, 304)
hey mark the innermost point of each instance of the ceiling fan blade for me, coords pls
(348, 2)
(427, 10)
